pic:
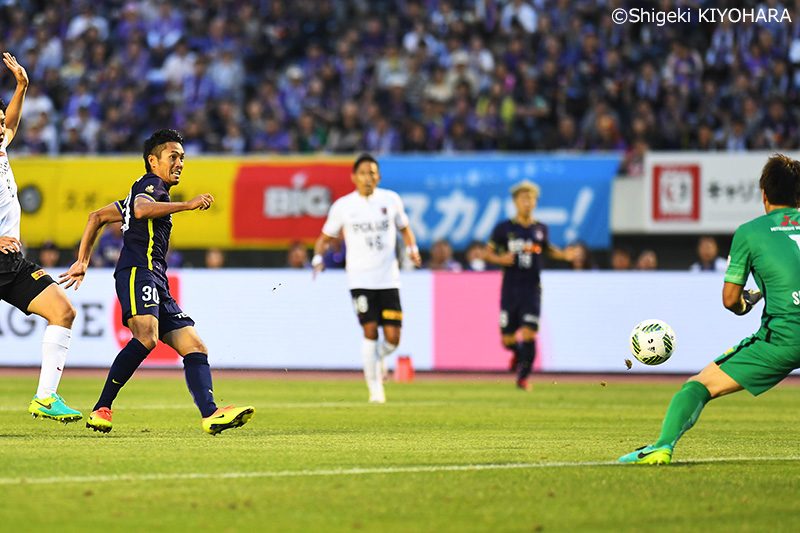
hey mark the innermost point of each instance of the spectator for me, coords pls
(621, 258)
(537, 75)
(107, 251)
(442, 257)
(335, 255)
(648, 260)
(215, 258)
(297, 256)
(708, 259)
(49, 255)
(474, 256)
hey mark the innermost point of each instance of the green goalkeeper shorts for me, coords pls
(758, 365)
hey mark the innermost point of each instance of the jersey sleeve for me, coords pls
(120, 205)
(151, 188)
(333, 224)
(740, 259)
(497, 240)
(401, 218)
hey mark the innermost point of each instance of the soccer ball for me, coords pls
(652, 341)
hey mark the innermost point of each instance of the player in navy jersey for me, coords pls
(519, 245)
(148, 308)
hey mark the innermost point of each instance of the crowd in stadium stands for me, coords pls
(273, 76)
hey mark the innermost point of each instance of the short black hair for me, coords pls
(780, 180)
(363, 158)
(156, 140)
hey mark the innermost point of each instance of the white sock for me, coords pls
(386, 349)
(55, 344)
(369, 354)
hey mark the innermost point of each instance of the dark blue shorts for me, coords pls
(141, 292)
(520, 308)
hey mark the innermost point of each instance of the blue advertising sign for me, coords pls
(462, 198)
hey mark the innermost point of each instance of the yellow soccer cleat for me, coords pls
(227, 418)
(54, 408)
(100, 420)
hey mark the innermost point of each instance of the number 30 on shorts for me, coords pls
(150, 293)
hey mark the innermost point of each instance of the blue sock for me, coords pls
(123, 367)
(527, 353)
(198, 379)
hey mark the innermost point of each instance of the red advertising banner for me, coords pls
(280, 203)
(676, 192)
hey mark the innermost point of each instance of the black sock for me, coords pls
(198, 379)
(123, 367)
(527, 353)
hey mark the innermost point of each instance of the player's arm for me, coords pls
(97, 221)
(554, 252)
(734, 297)
(411, 245)
(320, 247)
(505, 259)
(145, 206)
(14, 109)
(738, 300)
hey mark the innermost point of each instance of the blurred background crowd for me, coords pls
(273, 76)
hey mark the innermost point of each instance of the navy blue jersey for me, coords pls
(528, 244)
(145, 241)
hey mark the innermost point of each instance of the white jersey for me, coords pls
(9, 203)
(369, 225)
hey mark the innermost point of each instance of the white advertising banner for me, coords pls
(282, 319)
(699, 192)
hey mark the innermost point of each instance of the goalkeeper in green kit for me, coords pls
(769, 248)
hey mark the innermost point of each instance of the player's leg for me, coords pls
(197, 371)
(528, 316)
(145, 336)
(366, 304)
(177, 331)
(527, 355)
(391, 320)
(509, 324)
(52, 304)
(753, 364)
(135, 292)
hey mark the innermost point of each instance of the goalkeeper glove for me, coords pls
(750, 297)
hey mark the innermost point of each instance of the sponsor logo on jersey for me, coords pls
(149, 189)
(38, 274)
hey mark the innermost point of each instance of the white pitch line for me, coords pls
(359, 471)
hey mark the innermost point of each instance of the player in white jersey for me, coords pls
(24, 284)
(370, 218)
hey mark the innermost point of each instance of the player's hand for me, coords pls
(73, 276)
(570, 253)
(9, 245)
(413, 254)
(317, 265)
(19, 72)
(751, 296)
(507, 259)
(201, 202)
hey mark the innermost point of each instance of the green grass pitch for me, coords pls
(441, 455)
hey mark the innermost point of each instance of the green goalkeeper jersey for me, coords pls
(769, 247)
